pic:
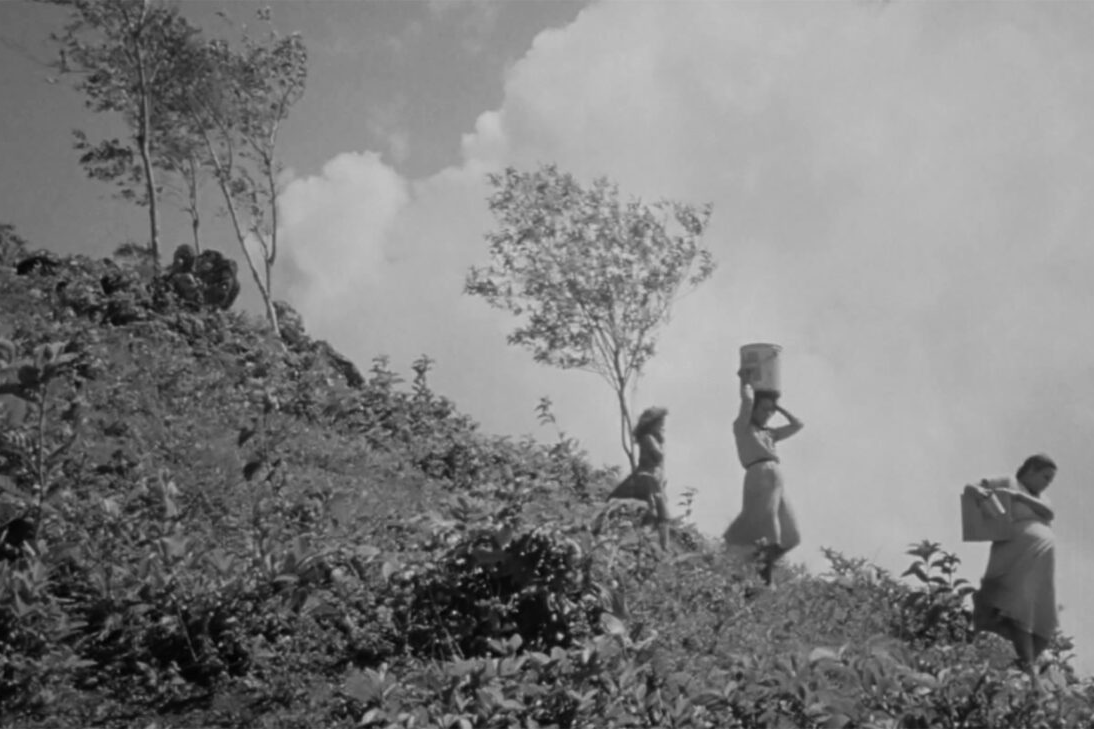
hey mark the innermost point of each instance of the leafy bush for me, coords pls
(203, 525)
(935, 612)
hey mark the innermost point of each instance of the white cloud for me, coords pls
(898, 200)
(336, 227)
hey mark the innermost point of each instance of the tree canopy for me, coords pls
(591, 275)
(196, 106)
(123, 54)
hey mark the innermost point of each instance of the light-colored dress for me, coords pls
(1019, 584)
(765, 512)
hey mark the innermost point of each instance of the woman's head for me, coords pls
(764, 404)
(651, 420)
(1036, 472)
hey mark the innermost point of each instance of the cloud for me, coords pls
(336, 227)
(899, 201)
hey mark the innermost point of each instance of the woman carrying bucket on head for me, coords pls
(766, 519)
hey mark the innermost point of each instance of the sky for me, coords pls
(898, 202)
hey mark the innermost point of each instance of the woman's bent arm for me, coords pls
(1038, 507)
(787, 430)
(648, 444)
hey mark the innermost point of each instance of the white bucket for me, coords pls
(762, 363)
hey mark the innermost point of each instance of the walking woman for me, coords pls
(647, 483)
(1017, 596)
(766, 519)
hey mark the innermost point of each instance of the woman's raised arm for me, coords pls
(748, 397)
(793, 426)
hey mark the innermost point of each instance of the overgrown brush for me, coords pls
(205, 527)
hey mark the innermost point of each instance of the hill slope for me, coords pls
(205, 527)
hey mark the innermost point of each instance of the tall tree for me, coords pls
(592, 276)
(239, 98)
(124, 54)
(180, 151)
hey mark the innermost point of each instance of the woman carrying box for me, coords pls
(1017, 596)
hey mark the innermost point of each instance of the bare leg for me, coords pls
(770, 556)
(765, 571)
(661, 512)
(1027, 655)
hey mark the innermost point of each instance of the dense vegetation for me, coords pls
(205, 526)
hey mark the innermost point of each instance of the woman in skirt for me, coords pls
(766, 520)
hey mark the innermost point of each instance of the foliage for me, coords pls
(238, 536)
(936, 611)
(124, 54)
(593, 277)
(195, 106)
(32, 454)
(493, 583)
(236, 102)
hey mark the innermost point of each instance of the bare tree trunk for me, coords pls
(223, 173)
(195, 213)
(145, 144)
(266, 286)
(271, 313)
(271, 180)
(625, 425)
(241, 236)
(619, 384)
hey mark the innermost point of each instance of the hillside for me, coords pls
(239, 532)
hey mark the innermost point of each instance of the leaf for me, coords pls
(110, 506)
(618, 600)
(221, 561)
(503, 537)
(388, 569)
(917, 570)
(170, 507)
(175, 546)
(20, 608)
(367, 552)
(372, 716)
(823, 654)
(612, 625)
(6, 484)
(7, 352)
(62, 448)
